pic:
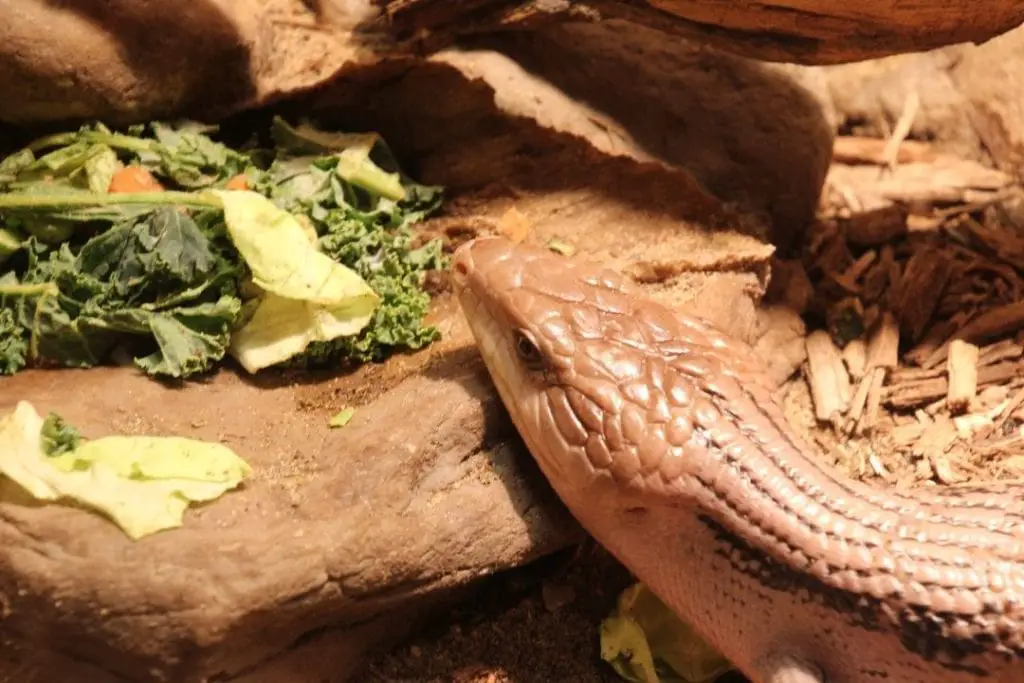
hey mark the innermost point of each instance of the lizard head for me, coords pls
(569, 346)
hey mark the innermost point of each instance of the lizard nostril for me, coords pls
(460, 271)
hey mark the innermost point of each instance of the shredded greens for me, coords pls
(162, 245)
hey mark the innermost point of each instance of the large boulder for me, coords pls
(132, 59)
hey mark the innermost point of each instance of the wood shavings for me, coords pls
(916, 317)
(855, 356)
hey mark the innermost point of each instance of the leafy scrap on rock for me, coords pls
(143, 484)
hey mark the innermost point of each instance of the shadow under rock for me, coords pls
(747, 131)
(447, 129)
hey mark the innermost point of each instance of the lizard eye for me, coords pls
(528, 352)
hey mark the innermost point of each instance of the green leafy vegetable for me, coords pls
(143, 484)
(58, 436)
(317, 264)
(282, 259)
(13, 343)
(76, 309)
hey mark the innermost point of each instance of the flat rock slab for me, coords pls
(425, 489)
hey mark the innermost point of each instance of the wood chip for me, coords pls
(943, 471)
(924, 253)
(914, 394)
(904, 374)
(789, 285)
(876, 280)
(877, 227)
(1003, 244)
(1006, 349)
(923, 281)
(872, 408)
(991, 400)
(933, 445)
(852, 149)
(1011, 408)
(902, 129)
(931, 350)
(877, 467)
(906, 435)
(962, 368)
(946, 179)
(968, 426)
(827, 377)
(994, 322)
(884, 346)
(855, 356)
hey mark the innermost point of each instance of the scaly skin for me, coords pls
(662, 436)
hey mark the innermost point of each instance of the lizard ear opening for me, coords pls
(527, 351)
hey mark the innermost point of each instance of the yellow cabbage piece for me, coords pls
(282, 258)
(143, 484)
(645, 642)
(308, 296)
(282, 328)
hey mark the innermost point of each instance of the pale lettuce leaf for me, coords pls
(283, 260)
(281, 329)
(143, 484)
(646, 642)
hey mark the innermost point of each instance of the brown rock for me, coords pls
(334, 528)
(824, 32)
(969, 98)
(655, 223)
(125, 60)
(747, 131)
